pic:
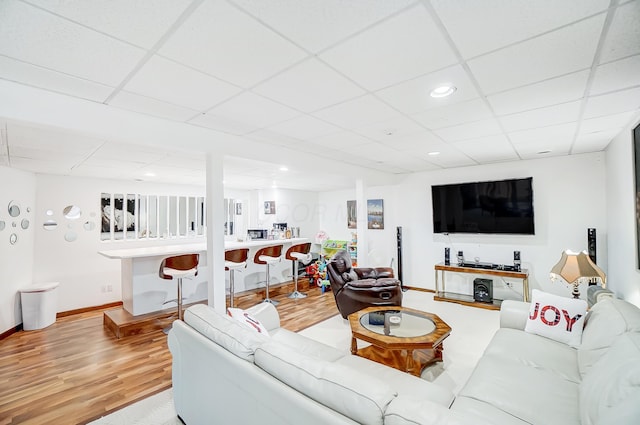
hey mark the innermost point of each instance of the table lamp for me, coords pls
(576, 268)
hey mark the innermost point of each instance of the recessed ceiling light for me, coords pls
(150, 174)
(433, 153)
(543, 152)
(443, 91)
(283, 168)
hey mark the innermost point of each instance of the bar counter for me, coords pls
(143, 291)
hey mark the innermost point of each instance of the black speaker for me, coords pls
(447, 256)
(399, 247)
(591, 243)
(483, 290)
(460, 258)
(517, 264)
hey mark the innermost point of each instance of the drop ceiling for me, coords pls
(331, 89)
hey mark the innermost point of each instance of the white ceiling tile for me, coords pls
(357, 113)
(276, 139)
(40, 38)
(488, 149)
(504, 22)
(413, 96)
(230, 45)
(422, 142)
(557, 139)
(115, 163)
(195, 161)
(470, 130)
(607, 104)
(253, 111)
(406, 45)
(146, 105)
(593, 142)
(42, 166)
(550, 55)
(557, 90)
(120, 18)
(304, 127)
(50, 139)
(319, 24)
(127, 153)
(85, 170)
(617, 75)
(542, 117)
(607, 122)
(449, 157)
(45, 155)
(168, 81)
(309, 86)
(47, 79)
(222, 124)
(623, 38)
(450, 115)
(341, 140)
(388, 130)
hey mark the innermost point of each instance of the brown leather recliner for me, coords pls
(356, 288)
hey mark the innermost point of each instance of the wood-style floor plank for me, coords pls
(76, 370)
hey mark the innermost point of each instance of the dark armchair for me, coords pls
(356, 288)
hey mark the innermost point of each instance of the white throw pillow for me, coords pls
(555, 317)
(247, 320)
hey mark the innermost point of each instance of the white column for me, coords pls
(361, 202)
(215, 232)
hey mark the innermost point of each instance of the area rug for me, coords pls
(472, 329)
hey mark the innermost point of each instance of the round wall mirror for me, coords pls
(72, 212)
(49, 213)
(89, 225)
(1, 225)
(50, 225)
(14, 209)
(13, 239)
(70, 236)
(24, 223)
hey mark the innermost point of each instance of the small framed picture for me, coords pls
(375, 214)
(269, 207)
(238, 209)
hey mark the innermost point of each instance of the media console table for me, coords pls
(443, 295)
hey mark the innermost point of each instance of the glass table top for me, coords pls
(402, 324)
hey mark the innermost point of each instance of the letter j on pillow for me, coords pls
(555, 317)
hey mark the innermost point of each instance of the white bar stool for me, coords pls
(296, 254)
(268, 255)
(179, 267)
(235, 259)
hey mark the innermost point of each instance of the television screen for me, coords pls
(503, 207)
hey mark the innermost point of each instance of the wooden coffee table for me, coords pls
(409, 342)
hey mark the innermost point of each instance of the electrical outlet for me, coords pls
(109, 288)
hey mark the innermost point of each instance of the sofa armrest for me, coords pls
(411, 411)
(514, 314)
(267, 314)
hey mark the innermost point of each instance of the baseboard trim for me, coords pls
(10, 332)
(413, 288)
(87, 309)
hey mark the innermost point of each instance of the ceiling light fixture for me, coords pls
(150, 174)
(544, 152)
(443, 91)
(283, 168)
(434, 153)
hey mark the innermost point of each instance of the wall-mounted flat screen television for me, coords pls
(501, 207)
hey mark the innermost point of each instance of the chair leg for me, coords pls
(296, 293)
(231, 288)
(267, 299)
(180, 313)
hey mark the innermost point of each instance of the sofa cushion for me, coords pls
(404, 384)
(556, 317)
(530, 350)
(354, 394)
(607, 320)
(224, 331)
(610, 392)
(535, 396)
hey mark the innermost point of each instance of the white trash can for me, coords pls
(39, 305)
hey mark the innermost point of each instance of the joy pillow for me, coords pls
(555, 317)
(247, 320)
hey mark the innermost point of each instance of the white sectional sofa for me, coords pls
(225, 373)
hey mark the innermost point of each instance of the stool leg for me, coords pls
(231, 288)
(267, 299)
(180, 315)
(296, 293)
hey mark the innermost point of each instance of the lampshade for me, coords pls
(576, 267)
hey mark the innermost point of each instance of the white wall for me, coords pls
(297, 208)
(623, 275)
(84, 274)
(16, 266)
(569, 195)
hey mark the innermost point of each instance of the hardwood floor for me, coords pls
(76, 370)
